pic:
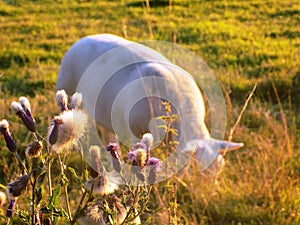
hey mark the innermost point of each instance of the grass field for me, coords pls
(243, 42)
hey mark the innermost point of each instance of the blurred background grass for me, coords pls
(243, 42)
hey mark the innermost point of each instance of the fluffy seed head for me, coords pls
(104, 184)
(97, 213)
(62, 100)
(147, 140)
(74, 123)
(76, 100)
(34, 149)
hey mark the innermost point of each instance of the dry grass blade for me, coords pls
(232, 130)
(283, 118)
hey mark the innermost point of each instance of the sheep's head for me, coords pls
(209, 152)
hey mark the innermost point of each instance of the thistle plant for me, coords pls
(48, 190)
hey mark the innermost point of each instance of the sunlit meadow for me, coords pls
(243, 42)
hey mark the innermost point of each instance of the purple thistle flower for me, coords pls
(154, 164)
(139, 145)
(62, 100)
(114, 149)
(138, 158)
(53, 136)
(76, 100)
(9, 140)
(26, 106)
(16, 188)
(27, 120)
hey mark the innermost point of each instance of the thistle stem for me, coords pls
(8, 221)
(49, 165)
(20, 160)
(79, 209)
(65, 183)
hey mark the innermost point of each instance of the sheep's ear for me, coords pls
(228, 146)
(207, 150)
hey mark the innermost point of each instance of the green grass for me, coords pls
(243, 42)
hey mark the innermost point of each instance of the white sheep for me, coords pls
(123, 84)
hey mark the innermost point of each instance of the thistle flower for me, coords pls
(96, 167)
(100, 182)
(101, 212)
(2, 198)
(154, 164)
(76, 100)
(16, 188)
(27, 120)
(114, 150)
(72, 127)
(34, 149)
(139, 145)
(53, 136)
(138, 158)
(26, 106)
(104, 184)
(10, 142)
(62, 100)
(147, 139)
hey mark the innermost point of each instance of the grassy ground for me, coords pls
(244, 42)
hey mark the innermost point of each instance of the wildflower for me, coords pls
(72, 125)
(154, 164)
(147, 139)
(95, 168)
(104, 184)
(114, 150)
(100, 182)
(76, 100)
(16, 188)
(34, 149)
(53, 136)
(27, 120)
(139, 145)
(10, 142)
(62, 100)
(103, 212)
(2, 198)
(138, 158)
(26, 106)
